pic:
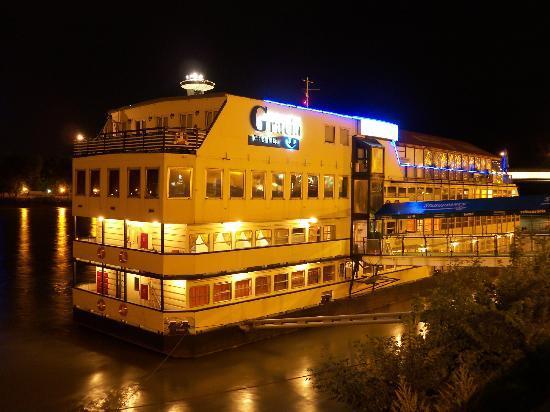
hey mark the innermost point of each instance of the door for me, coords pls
(144, 241)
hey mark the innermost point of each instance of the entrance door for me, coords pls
(144, 241)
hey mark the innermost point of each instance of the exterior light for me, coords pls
(454, 244)
(100, 218)
(232, 226)
(48, 191)
(62, 189)
(312, 220)
(79, 137)
(503, 153)
(24, 189)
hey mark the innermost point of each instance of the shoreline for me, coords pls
(35, 201)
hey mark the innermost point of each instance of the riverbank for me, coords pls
(36, 200)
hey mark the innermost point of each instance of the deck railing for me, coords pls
(150, 140)
(452, 245)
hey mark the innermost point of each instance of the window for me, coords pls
(179, 182)
(313, 276)
(114, 182)
(199, 242)
(377, 161)
(298, 235)
(263, 237)
(330, 132)
(209, 117)
(136, 283)
(214, 184)
(258, 185)
(151, 183)
(236, 184)
(343, 187)
(329, 232)
(134, 183)
(295, 186)
(280, 282)
(262, 285)
(186, 120)
(281, 236)
(391, 191)
(81, 183)
(222, 292)
(94, 182)
(199, 295)
(328, 273)
(222, 241)
(298, 279)
(314, 234)
(342, 270)
(312, 186)
(243, 288)
(243, 239)
(328, 188)
(402, 192)
(277, 185)
(344, 137)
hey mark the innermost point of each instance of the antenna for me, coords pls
(308, 89)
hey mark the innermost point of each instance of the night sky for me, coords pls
(483, 79)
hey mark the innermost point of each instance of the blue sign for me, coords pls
(283, 142)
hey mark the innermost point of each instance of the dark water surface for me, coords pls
(49, 363)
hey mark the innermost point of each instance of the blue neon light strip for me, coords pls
(326, 112)
(439, 168)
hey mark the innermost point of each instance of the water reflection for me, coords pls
(99, 372)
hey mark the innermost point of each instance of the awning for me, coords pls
(522, 205)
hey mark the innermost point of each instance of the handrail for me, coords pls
(149, 140)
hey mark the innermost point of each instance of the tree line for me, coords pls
(35, 172)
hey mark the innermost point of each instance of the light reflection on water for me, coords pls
(69, 367)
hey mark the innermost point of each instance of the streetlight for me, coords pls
(80, 137)
(62, 190)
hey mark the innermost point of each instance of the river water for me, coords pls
(49, 363)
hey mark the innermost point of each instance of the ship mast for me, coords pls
(308, 89)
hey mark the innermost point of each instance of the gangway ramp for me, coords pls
(327, 321)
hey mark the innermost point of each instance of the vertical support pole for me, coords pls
(496, 245)
(125, 234)
(125, 286)
(402, 245)
(103, 232)
(162, 238)
(162, 294)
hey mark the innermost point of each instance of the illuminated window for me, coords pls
(377, 161)
(298, 279)
(343, 183)
(243, 239)
(94, 182)
(313, 276)
(134, 183)
(312, 186)
(280, 282)
(222, 241)
(214, 184)
(179, 182)
(199, 242)
(428, 158)
(114, 182)
(314, 234)
(328, 187)
(263, 285)
(243, 288)
(391, 191)
(236, 184)
(263, 237)
(298, 235)
(402, 192)
(295, 186)
(222, 292)
(329, 232)
(151, 183)
(281, 236)
(330, 133)
(81, 183)
(277, 185)
(199, 295)
(344, 137)
(258, 185)
(328, 273)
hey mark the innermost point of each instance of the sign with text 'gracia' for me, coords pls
(274, 129)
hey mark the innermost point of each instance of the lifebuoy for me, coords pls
(101, 252)
(123, 256)
(123, 309)
(101, 305)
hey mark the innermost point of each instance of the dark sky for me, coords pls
(483, 79)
